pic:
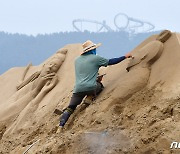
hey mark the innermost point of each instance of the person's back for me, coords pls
(86, 71)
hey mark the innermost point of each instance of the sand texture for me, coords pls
(137, 112)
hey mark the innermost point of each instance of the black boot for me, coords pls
(65, 116)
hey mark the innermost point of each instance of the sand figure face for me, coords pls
(52, 66)
(164, 36)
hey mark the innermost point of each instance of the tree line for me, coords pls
(18, 49)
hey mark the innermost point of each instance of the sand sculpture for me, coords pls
(128, 101)
(142, 61)
(150, 52)
(38, 85)
(144, 58)
(139, 67)
(44, 73)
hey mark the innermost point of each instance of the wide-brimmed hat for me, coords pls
(89, 45)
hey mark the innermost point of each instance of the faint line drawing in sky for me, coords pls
(44, 16)
(125, 23)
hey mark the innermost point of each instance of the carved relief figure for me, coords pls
(40, 83)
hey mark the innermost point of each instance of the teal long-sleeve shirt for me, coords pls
(86, 71)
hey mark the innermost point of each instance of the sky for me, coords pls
(34, 17)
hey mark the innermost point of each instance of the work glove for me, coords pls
(128, 55)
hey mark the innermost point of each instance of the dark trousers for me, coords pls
(76, 99)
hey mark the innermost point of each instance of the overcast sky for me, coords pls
(48, 16)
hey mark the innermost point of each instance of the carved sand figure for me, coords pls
(139, 67)
(35, 75)
(150, 53)
(40, 83)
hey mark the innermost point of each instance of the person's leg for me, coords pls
(75, 100)
(99, 88)
(91, 96)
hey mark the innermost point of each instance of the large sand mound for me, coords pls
(138, 111)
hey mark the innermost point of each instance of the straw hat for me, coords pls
(89, 45)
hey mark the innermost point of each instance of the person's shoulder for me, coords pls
(78, 57)
(99, 57)
(89, 56)
(92, 56)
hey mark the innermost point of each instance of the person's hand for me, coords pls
(128, 55)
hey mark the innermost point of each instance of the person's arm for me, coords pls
(114, 61)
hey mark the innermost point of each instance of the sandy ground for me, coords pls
(137, 112)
